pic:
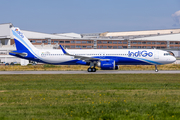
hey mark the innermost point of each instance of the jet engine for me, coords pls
(107, 65)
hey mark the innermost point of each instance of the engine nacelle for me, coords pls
(107, 65)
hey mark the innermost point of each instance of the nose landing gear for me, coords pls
(156, 70)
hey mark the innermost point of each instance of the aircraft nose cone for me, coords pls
(173, 59)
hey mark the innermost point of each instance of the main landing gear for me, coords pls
(92, 67)
(156, 70)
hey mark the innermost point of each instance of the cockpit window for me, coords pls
(166, 54)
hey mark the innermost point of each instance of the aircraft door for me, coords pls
(36, 56)
(73, 53)
(37, 53)
(156, 54)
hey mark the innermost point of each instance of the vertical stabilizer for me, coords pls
(22, 43)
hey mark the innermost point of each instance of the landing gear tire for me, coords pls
(91, 69)
(94, 69)
(156, 70)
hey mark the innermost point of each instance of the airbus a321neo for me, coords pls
(106, 59)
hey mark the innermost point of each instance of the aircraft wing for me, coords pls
(82, 57)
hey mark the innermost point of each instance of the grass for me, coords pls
(91, 97)
(44, 67)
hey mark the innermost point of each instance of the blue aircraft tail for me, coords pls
(22, 43)
(24, 48)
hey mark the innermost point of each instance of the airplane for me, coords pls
(106, 59)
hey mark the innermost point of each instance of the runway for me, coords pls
(85, 72)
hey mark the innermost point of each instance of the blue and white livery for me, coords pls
(104, 58)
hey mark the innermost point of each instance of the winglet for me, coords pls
(64, 51)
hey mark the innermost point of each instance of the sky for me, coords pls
(90, 16)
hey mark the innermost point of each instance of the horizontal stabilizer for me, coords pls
(23, 54)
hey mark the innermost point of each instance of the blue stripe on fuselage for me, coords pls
(130, 60)
(118, 61)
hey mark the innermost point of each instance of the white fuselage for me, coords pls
(121, 56)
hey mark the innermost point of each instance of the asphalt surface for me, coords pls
(85, 72)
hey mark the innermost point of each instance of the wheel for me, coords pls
(156, 70)
(93, 69)
(89, 70)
